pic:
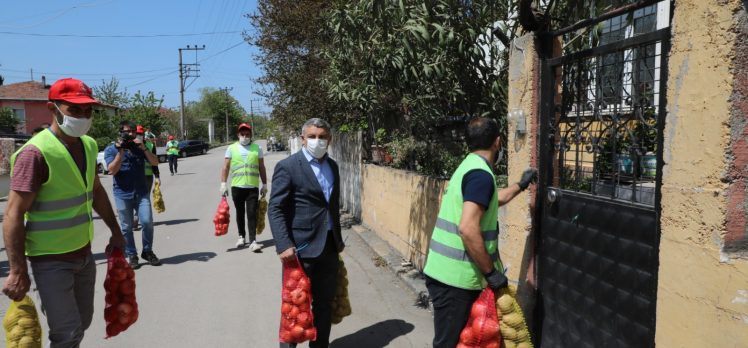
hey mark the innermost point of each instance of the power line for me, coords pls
(155, 78)
(94, 74)
(118, 36)
(224, 51)
(58, 12)
(171, 71)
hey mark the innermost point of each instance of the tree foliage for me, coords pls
(425, 60)
(8, 120)
(416, 69)
(289, 35)
(141, 108)
(216, 105)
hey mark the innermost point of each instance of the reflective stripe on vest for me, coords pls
(488, 235)
(448, 261)
(148, 167)
(35, 226)
(62, 203)
(454, 253)
(245, 172)
(60, 219)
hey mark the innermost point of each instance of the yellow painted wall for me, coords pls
(702, 293)
(515, 217)
(401, 207)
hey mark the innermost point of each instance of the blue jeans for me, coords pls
(125, 207)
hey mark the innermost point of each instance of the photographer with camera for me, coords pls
(126, 160)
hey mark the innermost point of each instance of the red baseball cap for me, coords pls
(244, 125)
(72, 91)
(139, 129)
(171, 137)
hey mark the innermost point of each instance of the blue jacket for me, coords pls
(131, 176)
(298, 210)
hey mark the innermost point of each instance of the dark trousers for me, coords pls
(245, 201)
(451, 311)
(172, 163)
(323, 272)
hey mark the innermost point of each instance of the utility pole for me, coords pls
(252, 114)
(226, 94)
(186, 71)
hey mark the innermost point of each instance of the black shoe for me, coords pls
(133, 261)
(151, 258)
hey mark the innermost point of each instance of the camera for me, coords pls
(127, 140)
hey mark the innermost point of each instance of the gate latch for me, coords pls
(553, 196)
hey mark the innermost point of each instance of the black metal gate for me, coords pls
(603, 112)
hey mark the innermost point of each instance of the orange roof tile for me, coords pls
(29, 90)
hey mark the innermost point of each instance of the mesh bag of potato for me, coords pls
(158, 199)
(514, 330)
(21, 324)
(341, 304)
(262, 209)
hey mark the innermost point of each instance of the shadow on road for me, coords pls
(266, 243)
(174, 222)
(375, 336)
(200, 256)
(263, 244)
(179, 174)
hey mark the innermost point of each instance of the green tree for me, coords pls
(144, 110)
(8, 120)
(216, 105)
(105, 126)
(416, 68)
(290, 36)
(109, 93)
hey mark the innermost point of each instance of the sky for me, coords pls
(50, 38)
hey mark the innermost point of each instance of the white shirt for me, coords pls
(244, 151)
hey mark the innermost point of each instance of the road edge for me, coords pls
(396, 263)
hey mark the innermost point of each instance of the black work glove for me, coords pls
(496, 280)
(530, 175)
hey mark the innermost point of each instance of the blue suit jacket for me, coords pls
(297, 210)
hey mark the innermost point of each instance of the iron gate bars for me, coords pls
(604, 127)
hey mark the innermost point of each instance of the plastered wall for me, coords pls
(703, 291)
(515, 243)
(401, 207)
(516, 251)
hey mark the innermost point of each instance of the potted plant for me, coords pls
(379, 153)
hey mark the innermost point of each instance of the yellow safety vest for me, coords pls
(245, 172)
(447, 261)
(60, 219)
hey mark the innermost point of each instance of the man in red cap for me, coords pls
(126, 160)
(247, 167)
(48, 219)
(172, 152)
(151, 171)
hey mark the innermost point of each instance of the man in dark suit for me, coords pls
(304, 214)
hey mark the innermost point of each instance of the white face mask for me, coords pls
(74, 127)
(317, 147)
(244, 140)
(139, 137)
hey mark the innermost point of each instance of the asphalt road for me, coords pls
(207, 293)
